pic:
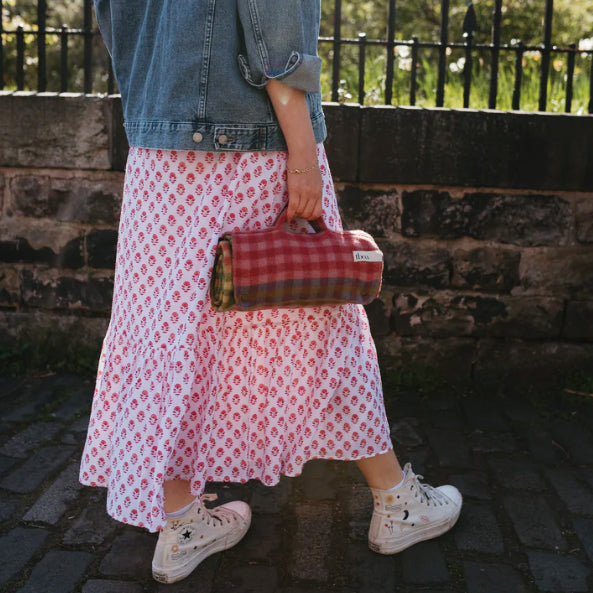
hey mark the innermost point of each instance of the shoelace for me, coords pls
(218, 513)
(427, 492)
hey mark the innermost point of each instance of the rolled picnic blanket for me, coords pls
(276, 267)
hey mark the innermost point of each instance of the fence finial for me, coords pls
(470, 22)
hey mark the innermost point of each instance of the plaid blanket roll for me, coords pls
(279, 268)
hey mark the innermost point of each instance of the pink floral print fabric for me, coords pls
(184, 392)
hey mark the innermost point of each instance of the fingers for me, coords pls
(305, 198)
(312, 208)
(307, 206)
(293, 205)
(318, 211)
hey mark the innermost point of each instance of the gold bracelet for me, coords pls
(299, 171)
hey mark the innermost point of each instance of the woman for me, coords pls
(222, 111)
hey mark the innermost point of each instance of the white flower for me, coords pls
(586, 44)
(457, 66)
(402, 51)
(405, 64)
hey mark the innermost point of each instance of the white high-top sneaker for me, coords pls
(412, 513)
(197, 534)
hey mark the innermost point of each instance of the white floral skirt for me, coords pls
(184, 392)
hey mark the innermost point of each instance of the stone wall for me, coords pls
(485, 219)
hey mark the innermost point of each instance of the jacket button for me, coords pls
(223, 139)
(197, 137)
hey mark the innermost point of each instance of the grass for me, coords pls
(46, 350)
(579, 384)
(413, 376)
(573, 399)
(427, 79)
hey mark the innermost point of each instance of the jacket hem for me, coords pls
(209, 137)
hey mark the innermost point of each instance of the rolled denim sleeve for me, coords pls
(280, 42)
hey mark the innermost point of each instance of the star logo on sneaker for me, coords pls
(185, 535)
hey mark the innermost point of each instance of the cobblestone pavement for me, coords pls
(525, 469)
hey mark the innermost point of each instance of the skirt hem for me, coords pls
(213, 479)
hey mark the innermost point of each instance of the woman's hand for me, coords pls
(305, 190)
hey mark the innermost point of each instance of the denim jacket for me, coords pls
(192, 73)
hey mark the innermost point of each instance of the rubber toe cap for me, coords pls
(241, 508)
(452, 494)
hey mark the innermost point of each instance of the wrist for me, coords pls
(302, 152)
(302, 156)
(300, 171)
(300, 138)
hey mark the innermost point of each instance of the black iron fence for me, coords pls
(88, 33)
(98, 77)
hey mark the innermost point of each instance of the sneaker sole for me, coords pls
(172, 576)
(414, 537)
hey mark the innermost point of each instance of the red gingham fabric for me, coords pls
(278, 267)
(185, 392)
